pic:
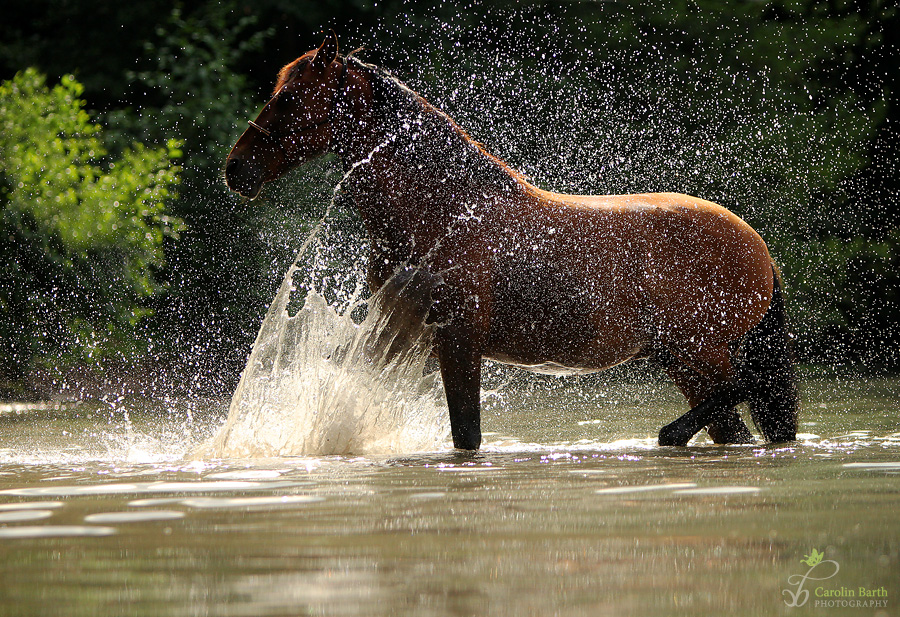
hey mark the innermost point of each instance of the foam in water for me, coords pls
(317, 383)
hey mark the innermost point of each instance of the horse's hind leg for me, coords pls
(729, 428)
(712, 398)
(716, 413)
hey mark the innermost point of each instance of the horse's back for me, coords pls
(687, 269)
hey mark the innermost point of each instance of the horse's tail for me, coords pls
(766, 372)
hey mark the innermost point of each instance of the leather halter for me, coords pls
(279, 135)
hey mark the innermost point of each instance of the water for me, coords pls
(319, 383)
(570, 509)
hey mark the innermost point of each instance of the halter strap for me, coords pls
(265, 132)
(312, 125)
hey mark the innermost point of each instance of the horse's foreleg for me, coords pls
(461, 371)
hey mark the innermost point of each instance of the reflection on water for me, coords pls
(571, 509)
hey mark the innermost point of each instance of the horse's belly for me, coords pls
(551, 320)
(569, 350)
(588, 365)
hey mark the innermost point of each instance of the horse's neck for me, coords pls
(419, 176)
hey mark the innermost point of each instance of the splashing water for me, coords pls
(317, 383)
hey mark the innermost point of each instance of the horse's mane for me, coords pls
(395, 101)
(288, 71)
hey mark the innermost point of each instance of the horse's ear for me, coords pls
(327, 53)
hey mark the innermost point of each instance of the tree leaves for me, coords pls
(83, 231)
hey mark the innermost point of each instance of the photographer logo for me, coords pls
(819, 570)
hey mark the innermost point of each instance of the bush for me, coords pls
(82, 231)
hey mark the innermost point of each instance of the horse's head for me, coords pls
(296, 125)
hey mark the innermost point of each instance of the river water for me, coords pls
(570, 509)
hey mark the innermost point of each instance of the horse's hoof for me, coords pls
(670, 436)
(730, 431)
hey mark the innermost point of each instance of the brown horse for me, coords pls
(545, 281)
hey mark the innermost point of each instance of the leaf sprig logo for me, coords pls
(799, 596)
(821, 569)
(813, 559)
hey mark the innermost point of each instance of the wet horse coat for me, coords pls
(546, 281)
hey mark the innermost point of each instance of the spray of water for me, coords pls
(319, 383)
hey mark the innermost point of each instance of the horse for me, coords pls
(545, 281)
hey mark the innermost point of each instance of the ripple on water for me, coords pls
(428, 495)
(719, 490)
(146, 487)
(875, 466)
(16, 516)
(512, 445)
(247, 474)
(619, 490)
(249, 502)
(227, 502)
(31, 505)
(154, 502)
(140, 516)
(55, 531)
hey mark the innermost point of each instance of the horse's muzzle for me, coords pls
(242, 178)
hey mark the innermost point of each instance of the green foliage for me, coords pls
(82, 231)
(189, 86)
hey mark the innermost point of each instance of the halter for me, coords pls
(277, 136)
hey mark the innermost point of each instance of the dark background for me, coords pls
(782, 111)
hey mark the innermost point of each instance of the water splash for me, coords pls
(318, 383)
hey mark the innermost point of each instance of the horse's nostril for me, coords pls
(242, 177)
(232, 166)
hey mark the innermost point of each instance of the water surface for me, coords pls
(570, 509)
